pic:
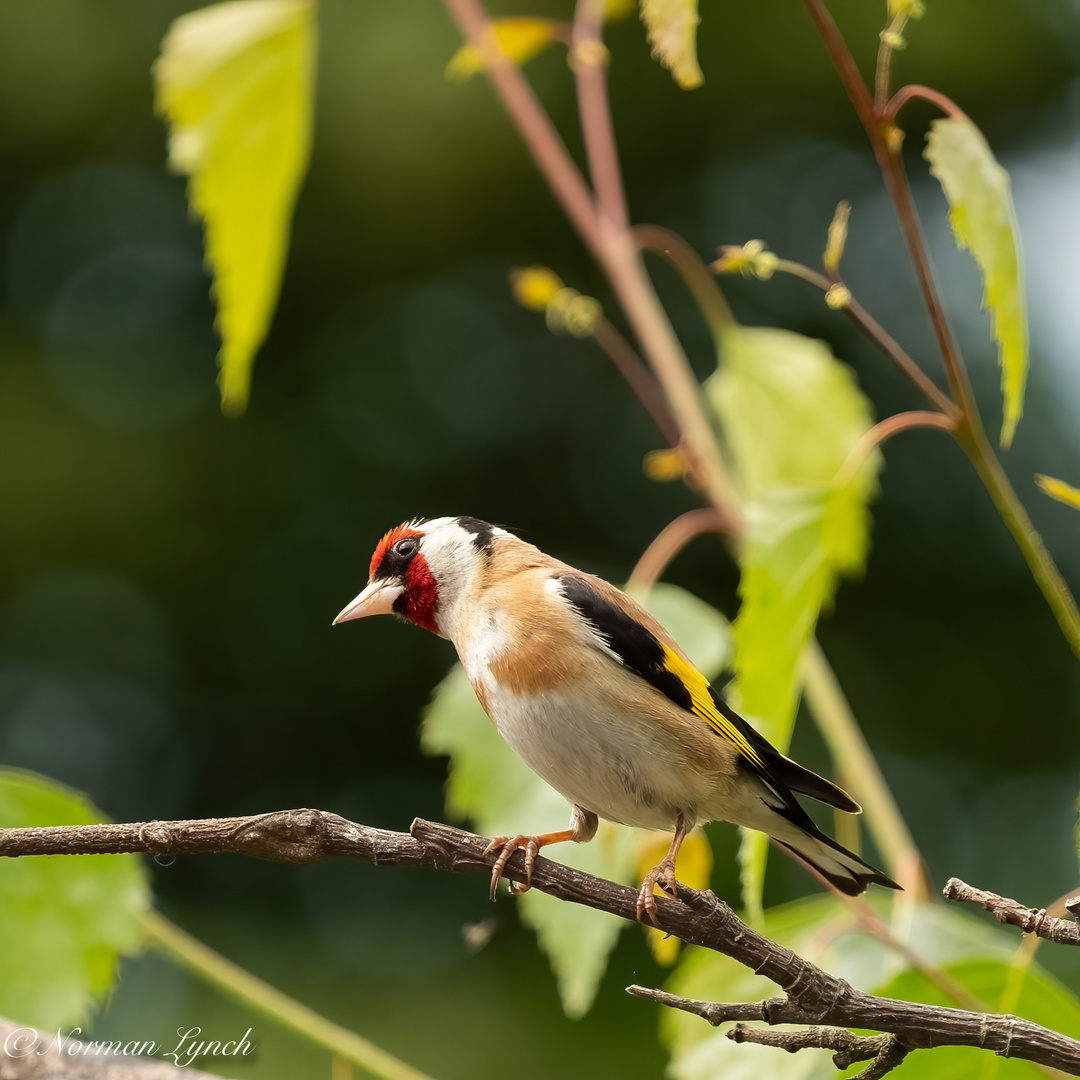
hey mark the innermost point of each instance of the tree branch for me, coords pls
(884, 1052)
(813, 996)
(1035, 921)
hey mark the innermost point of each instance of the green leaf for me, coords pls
(791, 414)
(66, 919)
(822, 930)
(1041, 998)
(490, 785)
(983, 220)
(671, 26)
(235, 81)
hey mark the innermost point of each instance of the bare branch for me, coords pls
(813, 996)
(1035, 921)
(884, 1052)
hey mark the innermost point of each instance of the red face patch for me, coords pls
(399, 532)
(421, 594)
(420, 599)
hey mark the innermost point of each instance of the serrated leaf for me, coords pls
(791, 413)
(490, 785)
(66, 919)
(1058, 489)
(519, 38)
(671, 26)
(235, 81)
(983, 220)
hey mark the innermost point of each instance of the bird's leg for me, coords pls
(662, 875)
(582, 827)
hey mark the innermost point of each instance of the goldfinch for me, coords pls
(592, 692)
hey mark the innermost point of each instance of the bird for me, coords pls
(598, 699)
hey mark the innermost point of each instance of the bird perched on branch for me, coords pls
(594, 694)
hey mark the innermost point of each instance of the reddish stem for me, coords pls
(588, 57)
(533, 123)
(885, 430)
(670, 541)
(926, 93)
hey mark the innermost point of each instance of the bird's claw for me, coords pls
(664, 876)
(506, 846)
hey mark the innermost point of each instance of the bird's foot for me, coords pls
(664, 876)
(506, 846)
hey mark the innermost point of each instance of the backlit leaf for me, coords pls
(519, 38)
(491, 786)
(1058, 489)
(235, 81)
(983, 220)
(790, 413)
(66, 920)
(671, 26)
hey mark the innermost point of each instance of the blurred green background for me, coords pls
(169, 576)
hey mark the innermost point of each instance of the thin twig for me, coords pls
(892, 167)
(533, 123)
(589, 58)
(877, 333)
(908, 93)
(613, 246)
(884, 430)
(639, 378)
(670, 541)
(970, 432)
(694, 271)
(812, 995)
(1035, 921)
(887, 1051)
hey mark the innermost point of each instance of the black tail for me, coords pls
(840, 867)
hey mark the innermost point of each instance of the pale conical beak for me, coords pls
(377, 599)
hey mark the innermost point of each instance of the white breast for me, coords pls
(625, 769)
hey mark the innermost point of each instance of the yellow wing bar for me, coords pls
(697, 686)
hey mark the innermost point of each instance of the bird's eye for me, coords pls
(406, 548)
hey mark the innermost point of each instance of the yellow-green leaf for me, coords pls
(672, 30)
(983, 220)
(490, 785)
(519, 38)
(235, 81)
(790, 413)
(1058, 489)
(66, 919)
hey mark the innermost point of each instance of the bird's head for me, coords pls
(422, 569)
